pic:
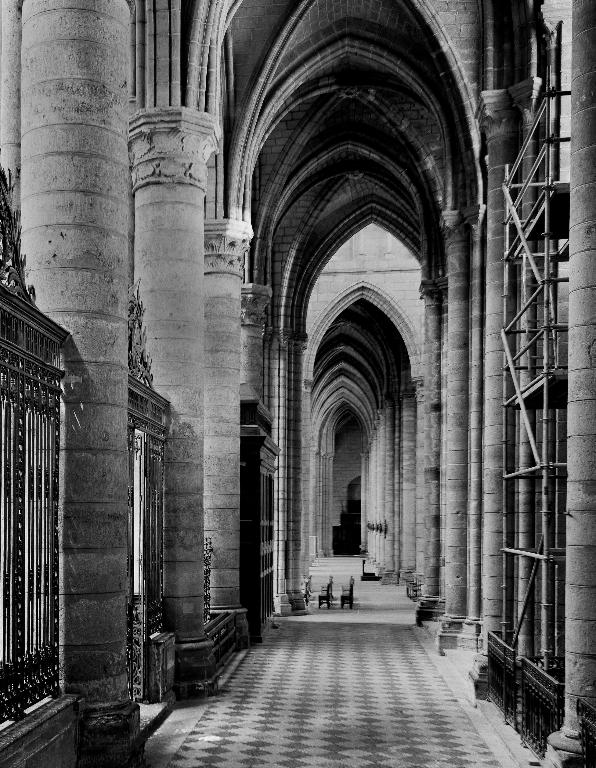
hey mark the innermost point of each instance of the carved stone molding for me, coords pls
(453, 227)
(226, 244)
(12, 261)
(139, 362)
(432, 291)
(299, 342)
(255, 300)
(474, 217)
(170, 146)
(526, 97)
(496, 113)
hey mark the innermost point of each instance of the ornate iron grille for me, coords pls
(587, 721)
(502, 684)
(543, 701)
(207, 557)
(146, 439)
(29, 450)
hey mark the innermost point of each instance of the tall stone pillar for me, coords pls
(169, 150)
(279, 377)
(432, 434)
(389, 517)
(475, 218)
(420, 487)
(255, 300)
(456, 528)
(381, 464)
(10, 93)
(499, 122)
(363, 500)
(580, 590)
(75, 222)
(315, 460)
(226, 244)
(297, 347)
(408, 487)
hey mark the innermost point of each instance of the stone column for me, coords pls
(475, 219)
(278, 376)
(169, 150)
(381, 464)
(226, 244)
(10, 94)
(363, 500)
(255, 300)
(389, 507)
(75, 223)
(580, 590)
(456, 544)
(296, 349)
(499, 122)
(408, 487)
(315, 459)
(420, 487)
(432, 434)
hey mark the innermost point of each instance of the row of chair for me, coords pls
(346, 598)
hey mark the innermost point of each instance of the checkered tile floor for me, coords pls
(335, 688)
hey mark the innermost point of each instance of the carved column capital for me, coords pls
(226, 244)
(299, 342)
(496, 113)
(170, 146)
(453, 227)
(432, 292)
(526, 96)
(255, 300)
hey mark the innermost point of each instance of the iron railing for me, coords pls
(146, 439)
(29, 460)
(586, 713)
(502, 682)
(207, 558)
(543, 701)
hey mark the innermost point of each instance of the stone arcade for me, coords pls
(352, 248)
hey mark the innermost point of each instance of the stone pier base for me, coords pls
(563, 751)
(196, 670)
(282, 605)
(456, 632)
(479, 677)
(162, 663)
(109, 736)
(389, 577)
(429, 609)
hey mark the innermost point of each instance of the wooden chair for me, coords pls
(347, 594)
(326, 594)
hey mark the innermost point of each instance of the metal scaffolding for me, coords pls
(534, 336)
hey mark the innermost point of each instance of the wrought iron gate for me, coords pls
(29, 446)
(146, 439)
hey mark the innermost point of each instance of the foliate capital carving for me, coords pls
(526, 96)
(453, 227)
(139, 362)
(170, 146)
(496, 113)
(299, 342)
(474, 216)
(255, 300)
(226, 244)
(431, 291)
(12, 261)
